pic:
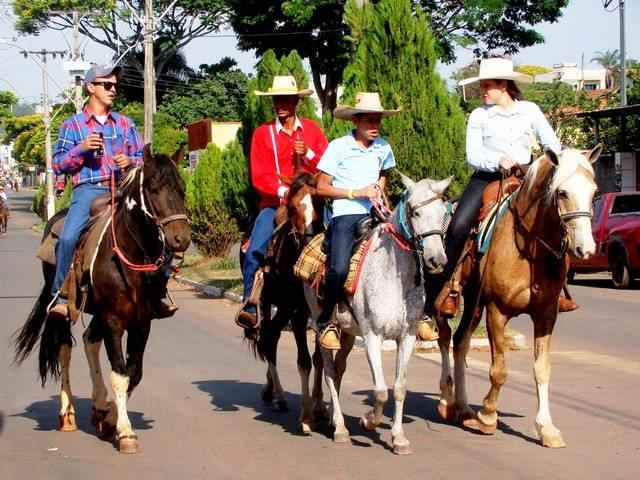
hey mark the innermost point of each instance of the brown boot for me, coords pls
(427, 329)
(163, 310)
(247, 320)
(330, 337)
(59, 312)
(448, 308)
(566, 305)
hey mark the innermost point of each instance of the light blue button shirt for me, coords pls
(354, 167)
(493, 133)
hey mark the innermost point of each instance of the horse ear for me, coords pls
(592, 155)
(441, 186)
(410, 184)
(286, 180)
(147, 153)
(178, 156)
(551, 156)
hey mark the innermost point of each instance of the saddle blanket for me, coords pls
(487, 226)
(313, 260)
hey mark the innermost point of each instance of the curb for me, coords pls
(516, 341)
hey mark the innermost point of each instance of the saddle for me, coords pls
(47, 250)
(493, 206)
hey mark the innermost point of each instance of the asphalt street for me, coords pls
(198, 412)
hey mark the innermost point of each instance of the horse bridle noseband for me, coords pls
(411, 212)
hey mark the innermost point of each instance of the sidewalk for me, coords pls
(517, 341)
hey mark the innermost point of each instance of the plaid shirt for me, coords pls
(120, 136)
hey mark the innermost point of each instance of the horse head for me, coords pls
(571, 187)
(425, 211)
(302, 208)
(164, 190)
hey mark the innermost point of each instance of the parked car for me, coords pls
(616, 231)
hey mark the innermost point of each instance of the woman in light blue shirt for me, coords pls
(499, 136)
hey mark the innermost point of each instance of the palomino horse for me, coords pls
(298, 221)
(149, 223)
(4, 216)
(388, 301)
(523, 272)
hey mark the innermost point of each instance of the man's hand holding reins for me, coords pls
(122, 160)
(299, 146)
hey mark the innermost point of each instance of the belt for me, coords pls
(104, 183)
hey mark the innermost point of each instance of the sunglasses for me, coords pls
(106, 85)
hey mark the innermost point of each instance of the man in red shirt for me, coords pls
(283, 146)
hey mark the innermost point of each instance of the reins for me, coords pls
(159, 223)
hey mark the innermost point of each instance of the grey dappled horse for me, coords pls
(389, 301)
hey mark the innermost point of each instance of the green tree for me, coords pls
(7, 99)
(316, 28)
(184, 21)
(220, 97)
(610, 61)
(396, 56)
(470, 94)
(532, 70)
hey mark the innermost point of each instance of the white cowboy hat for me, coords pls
(366, 102)
(497, 69)
(284, 86)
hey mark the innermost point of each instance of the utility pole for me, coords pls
(76, 57)
(46, 118)
(623, 73)
(149, 72)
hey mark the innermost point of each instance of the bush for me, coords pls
(65, 199)
(235, 183)
(39, 202)
(213, 229)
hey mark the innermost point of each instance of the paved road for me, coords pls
(198, 412)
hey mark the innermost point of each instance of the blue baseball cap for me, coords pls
(103, 71)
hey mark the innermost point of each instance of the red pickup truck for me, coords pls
(616, 231)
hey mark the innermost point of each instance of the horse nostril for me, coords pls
(580, 252)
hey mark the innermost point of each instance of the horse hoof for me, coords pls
(550, 437)
(128, 445)
(477, 425)
(402, 448)
(97, 418)
(341, 438)
(367, 424)
(446, 411)
(67, 422)
(266, 395)
(306, 427)
(106, 430)
(281, 406)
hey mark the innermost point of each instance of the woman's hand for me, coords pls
(507, 163)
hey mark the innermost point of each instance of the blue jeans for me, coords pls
(260, 238)
(76, 221)
(338, 243)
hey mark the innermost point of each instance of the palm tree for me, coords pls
(610, 60)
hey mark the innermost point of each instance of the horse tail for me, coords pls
(55, 335)
(26, 338)
(256, 339)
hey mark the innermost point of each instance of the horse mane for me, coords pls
(569, 160)
(301, 180)
(160, 162)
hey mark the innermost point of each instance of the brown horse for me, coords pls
(4, 216)
(523, 272)
(285, 291)
(150, 224)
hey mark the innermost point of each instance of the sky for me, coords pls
(584, 29)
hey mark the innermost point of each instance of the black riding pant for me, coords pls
(458, 232)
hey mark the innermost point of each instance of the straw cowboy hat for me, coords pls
(284, 86)
(497, 69)
(366, 102)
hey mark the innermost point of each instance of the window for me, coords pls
(590, 86)
(625, 204)
(597, 209)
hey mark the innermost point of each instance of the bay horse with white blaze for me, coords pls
(523, 272)
(4, 216)
(297, 222)
(149, 224)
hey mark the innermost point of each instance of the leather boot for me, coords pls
(59, 312)
(448, 308)
(247, 320)
(163, 310)
(566, 305)
(330, 337)
(427, 329)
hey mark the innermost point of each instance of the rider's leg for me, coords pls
(260, 238)
(75, 222)
(342, 235)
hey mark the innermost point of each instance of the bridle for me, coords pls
(560, 252)
(163, 260)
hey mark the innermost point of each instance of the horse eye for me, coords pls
(562, 194)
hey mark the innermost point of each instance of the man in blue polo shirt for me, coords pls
(352, 171)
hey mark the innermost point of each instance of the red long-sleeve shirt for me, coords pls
(265, 170)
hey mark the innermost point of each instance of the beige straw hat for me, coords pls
(284, 86)
(497, 69)
(366, 102)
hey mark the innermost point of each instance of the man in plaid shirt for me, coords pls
(91, 145)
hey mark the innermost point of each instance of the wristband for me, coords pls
(350, 194)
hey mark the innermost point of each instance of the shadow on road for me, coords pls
(45, 413)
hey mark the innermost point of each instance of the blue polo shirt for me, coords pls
(354, 167)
